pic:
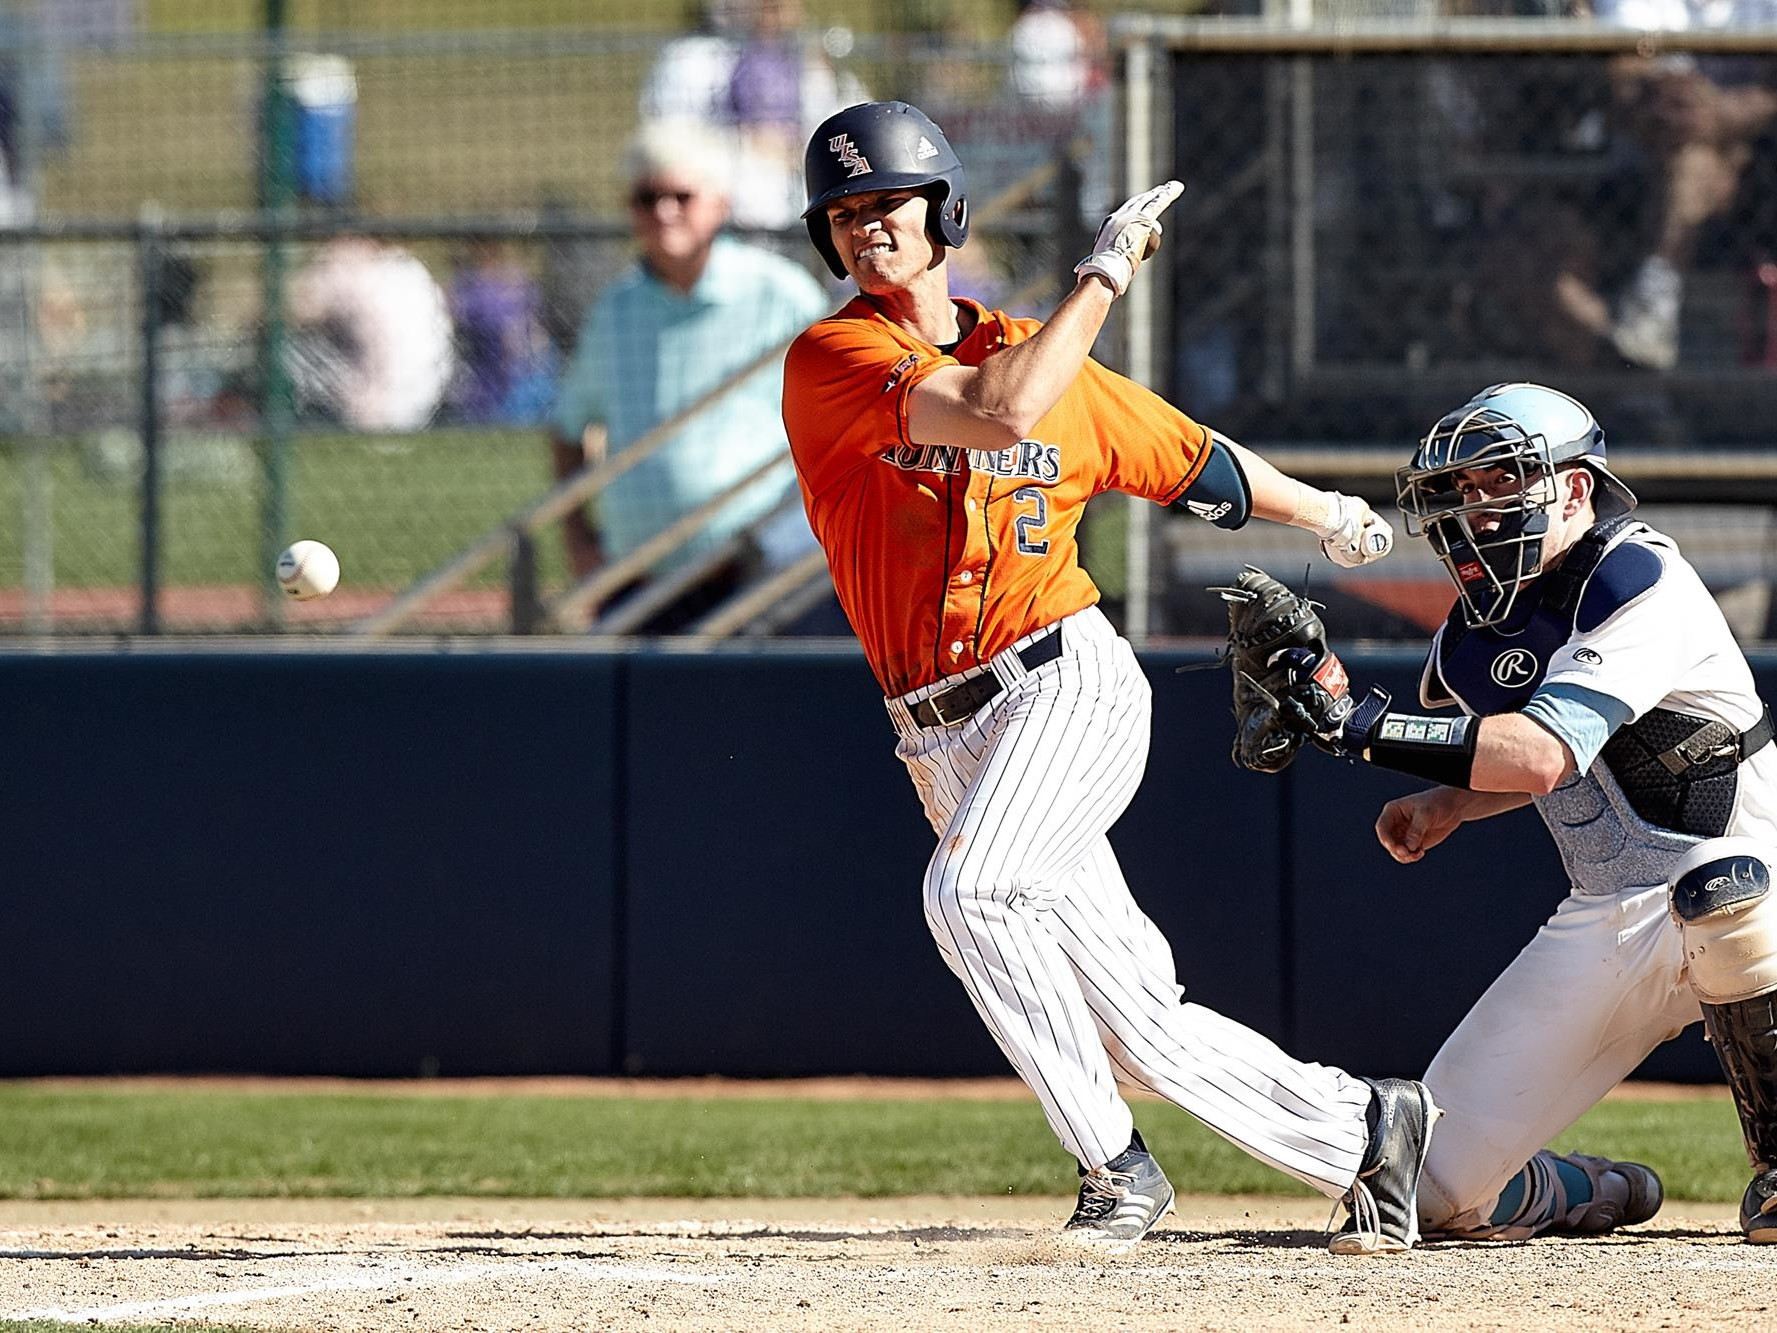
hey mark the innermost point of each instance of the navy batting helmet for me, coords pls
(882, 146)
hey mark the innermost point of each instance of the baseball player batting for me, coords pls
(946, 453)
(1596, 678)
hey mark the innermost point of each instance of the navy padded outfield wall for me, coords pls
(504, 861)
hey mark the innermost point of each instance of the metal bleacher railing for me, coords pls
(570, 609)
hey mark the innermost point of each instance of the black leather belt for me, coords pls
(963, 700)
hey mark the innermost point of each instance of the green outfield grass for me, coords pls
(393, 507)
(131, 1142)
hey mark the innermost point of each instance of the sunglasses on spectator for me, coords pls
(648, 196)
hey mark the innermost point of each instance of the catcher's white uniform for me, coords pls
(1604, 981)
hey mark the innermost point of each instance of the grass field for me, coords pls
(127, 1142)
(393, 508)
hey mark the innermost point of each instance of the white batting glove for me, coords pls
(1129, 236)
(1353, 534)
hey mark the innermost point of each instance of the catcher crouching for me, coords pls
(1593, 676)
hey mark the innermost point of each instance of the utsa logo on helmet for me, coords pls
(849, 156)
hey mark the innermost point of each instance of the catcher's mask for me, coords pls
(1492, 545)
(882, 146)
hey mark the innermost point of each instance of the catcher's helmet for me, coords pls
(882, 146)
(1529, 431)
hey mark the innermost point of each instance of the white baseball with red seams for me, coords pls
(307, 570)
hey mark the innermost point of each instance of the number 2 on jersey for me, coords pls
(1027, 524)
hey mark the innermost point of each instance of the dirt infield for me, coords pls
(951, 1265)
(928, 1263)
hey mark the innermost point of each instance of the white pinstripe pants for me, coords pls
(1030, 910)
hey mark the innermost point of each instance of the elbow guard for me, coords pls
(1221, 494)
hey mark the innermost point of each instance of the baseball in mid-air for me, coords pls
(307, 570)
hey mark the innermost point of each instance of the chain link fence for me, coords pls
(1382, 218)
(1401, 213)
(315, 269)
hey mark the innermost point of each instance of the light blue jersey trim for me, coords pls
(1582, 718)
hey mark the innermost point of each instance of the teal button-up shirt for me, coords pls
(646, 351)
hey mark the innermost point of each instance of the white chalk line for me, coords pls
(401, 1275)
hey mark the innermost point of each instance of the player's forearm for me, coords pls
(1516, 755)
(1509, 754)
(1469, 806)
(994, 405)
(1277, 497)
(1350, 531)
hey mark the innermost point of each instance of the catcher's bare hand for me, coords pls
(1354, 533)
(1129, 236)
(1410, 826)
(1289, 686)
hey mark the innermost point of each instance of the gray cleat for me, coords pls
(1122, 1200)
(1758, 1210)
(1384, 1199)
(1623, 1193)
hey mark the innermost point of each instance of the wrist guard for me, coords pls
(1439, 749)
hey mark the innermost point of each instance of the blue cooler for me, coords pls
(324, 95)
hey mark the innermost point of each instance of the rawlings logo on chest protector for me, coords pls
(1494, 672)
(1515, 668)
(1496, 668)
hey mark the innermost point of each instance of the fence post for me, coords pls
(1142, 64)
(19, 259)
(277, 192)
(526, 606)
(1071, 237)
(148, 265)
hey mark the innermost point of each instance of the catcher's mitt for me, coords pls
(1289, 686)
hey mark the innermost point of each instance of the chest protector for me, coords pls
(1679, 772)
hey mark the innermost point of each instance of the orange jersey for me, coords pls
(944, 556)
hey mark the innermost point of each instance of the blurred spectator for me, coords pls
(505, 364)
(371, 336)
(1061, 89)
(783, 85)
(34, 124)
(696, 307)
(1697, 121)
(752, 72)
(689, 78)
(200, 369)
(1058, 54)
(34, 113)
